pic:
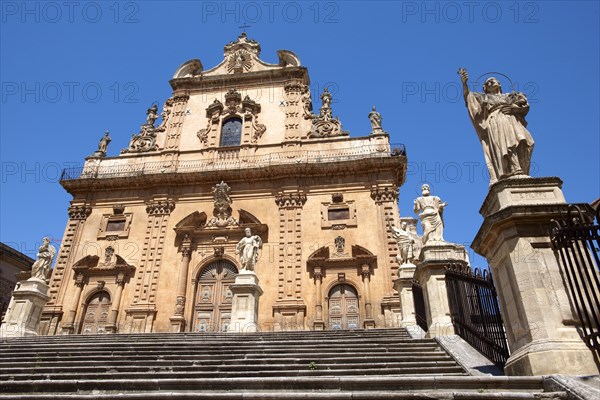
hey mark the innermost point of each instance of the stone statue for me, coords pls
(431, 210)
(248, 250)
(152, 115)
(375, 119)
(406, 243)
(45, 255)
(326, 99)
(499, 120)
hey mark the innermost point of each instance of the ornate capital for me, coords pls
(79, 212)
(381, 195)
(79, 280)
(365, 271)
(186, 251)
(160, 207)
(292, 200)
(318, 274)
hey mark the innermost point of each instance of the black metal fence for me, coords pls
(420, 313)
(576, 239)
(475, 312)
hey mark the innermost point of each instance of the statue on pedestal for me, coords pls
(375, 119)
(406, 243)
(102, 146)
(248, 247)
(45, 255)
(431, 210)
(499, 120)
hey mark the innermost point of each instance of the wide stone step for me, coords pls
(352, 383)
(190, 373)
(287, 395)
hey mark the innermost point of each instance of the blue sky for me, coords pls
(69, 71)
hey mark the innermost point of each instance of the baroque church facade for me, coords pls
(150, 244)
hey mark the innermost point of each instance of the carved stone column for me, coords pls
(289, 309)
(318, 325)
(68, 327)
(515, 239)
(141, 313)
(53, 311)
(111, 324)
(369, 322)
(178, 320)
(386, 201)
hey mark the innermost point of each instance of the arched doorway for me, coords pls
(96, 314)
(343, 307)
(212, 308)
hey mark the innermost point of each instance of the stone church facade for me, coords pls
(150, 244)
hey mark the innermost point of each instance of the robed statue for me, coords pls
(45, 255)
(405, 242)
(430, 210)
(247, 248)
(499, 120)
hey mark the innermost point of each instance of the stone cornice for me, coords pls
(160, 207)
(395, 165)
(224, 82)
(537, 215)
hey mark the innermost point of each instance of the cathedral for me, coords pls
(151, 244)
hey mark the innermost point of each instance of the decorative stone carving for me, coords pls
(222, 211)
(102, 146)
(179, 306)
(292, 200)
(340, 244)
(240, 54)
(43, 264)
(79, 212)
(233, 99)
(146, 139)
(324, 125)
(247, 248)
(307, 103)
(384, 194)
(160, 207)
(337, 198)
(165, 114)
(430, 210)
(375, 119)
(405, 241)
(499, 120)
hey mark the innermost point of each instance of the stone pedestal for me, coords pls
(25, 309)
(244, 310)
(515, 239)
(430, 273)
(403, 285)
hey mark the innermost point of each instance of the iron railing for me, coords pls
(576, 239)
(475, 312)
(419, 301)
(228, 159)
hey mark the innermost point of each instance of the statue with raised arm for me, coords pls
(430, 210)
(499, 120)
(247, 248)
(45, 255)
(406, 251)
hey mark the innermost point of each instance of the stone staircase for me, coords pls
(361, 364)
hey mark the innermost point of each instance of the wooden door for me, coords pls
(343, 307)
(212, 310)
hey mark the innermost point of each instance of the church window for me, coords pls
(231, 132)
